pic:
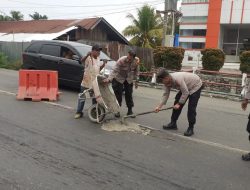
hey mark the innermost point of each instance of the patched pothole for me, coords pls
(116, 126)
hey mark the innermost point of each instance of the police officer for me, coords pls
(122, 77)
(189, 86)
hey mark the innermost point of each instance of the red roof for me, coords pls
(45, 26)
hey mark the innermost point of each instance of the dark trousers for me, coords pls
(118, 90)
(81, 103)
(248, 126)
(192, 105)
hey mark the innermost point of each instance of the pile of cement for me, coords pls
(116, 126)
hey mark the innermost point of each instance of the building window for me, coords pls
(192, 45)
(197, 45)
(199, 32)
(194, 19)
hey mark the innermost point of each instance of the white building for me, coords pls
(223, 24)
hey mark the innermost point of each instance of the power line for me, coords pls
(75, 6)
(105, 12)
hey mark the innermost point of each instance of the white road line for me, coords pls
(217, 145)
(8, 93)
(213, 144)
(59, 105)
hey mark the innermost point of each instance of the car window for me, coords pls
(33, 48)
(52, 50)
(83, 50)
(66, 53)
(104, 56)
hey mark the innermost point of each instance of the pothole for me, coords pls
(116, 126)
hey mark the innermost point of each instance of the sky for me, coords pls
(113, 11)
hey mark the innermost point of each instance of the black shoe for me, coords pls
(130, 112)
(189, 132)
(170, 126)
(117, 115)
(246, 157)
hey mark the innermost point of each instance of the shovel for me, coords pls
(142, 113)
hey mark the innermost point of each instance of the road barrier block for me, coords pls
(38, 85)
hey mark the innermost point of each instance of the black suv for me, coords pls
(61, 56)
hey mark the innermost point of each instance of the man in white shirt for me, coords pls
(92, 68)
(189, 86)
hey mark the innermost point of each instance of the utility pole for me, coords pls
(168, 9)
(165, 22)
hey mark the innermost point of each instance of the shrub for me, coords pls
(15, 65)
(245, 62)
(6, 64)
(142, 68)
(212, 59)
(3, 59)
(169, 57)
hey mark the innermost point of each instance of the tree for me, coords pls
(146, 30)
(5, 18)
(16, 15)
(37, 16)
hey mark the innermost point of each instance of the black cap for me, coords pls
(161, 74)
(132, 52)
(96, 47)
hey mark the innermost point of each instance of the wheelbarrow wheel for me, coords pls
(92, 113)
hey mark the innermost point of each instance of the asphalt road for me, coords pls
(43, 147)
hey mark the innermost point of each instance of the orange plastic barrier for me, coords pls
(37, 85)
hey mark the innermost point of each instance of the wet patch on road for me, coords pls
(116, 126)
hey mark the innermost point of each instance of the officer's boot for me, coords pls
(130, 112)
(171, 126)
(190, 131)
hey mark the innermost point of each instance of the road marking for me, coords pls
(217, 145)
(8, 93)
(213, 144)
(59, 105)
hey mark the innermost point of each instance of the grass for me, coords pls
(6, 64)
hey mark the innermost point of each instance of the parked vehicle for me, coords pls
(62, 56)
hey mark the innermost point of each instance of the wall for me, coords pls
(235, 12)
(13, 49)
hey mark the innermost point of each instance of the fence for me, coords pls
(13, 49)
(219, 84)
(116, 50)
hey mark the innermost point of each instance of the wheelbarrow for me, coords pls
(106, 101)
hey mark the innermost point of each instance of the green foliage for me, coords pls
(14, 16)
(3, 59)
(5, 18)
(4, 63)
(245, 62)
(142, 68)
(169, 57)
(212, 59)
(146, 30)
(37, 16)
